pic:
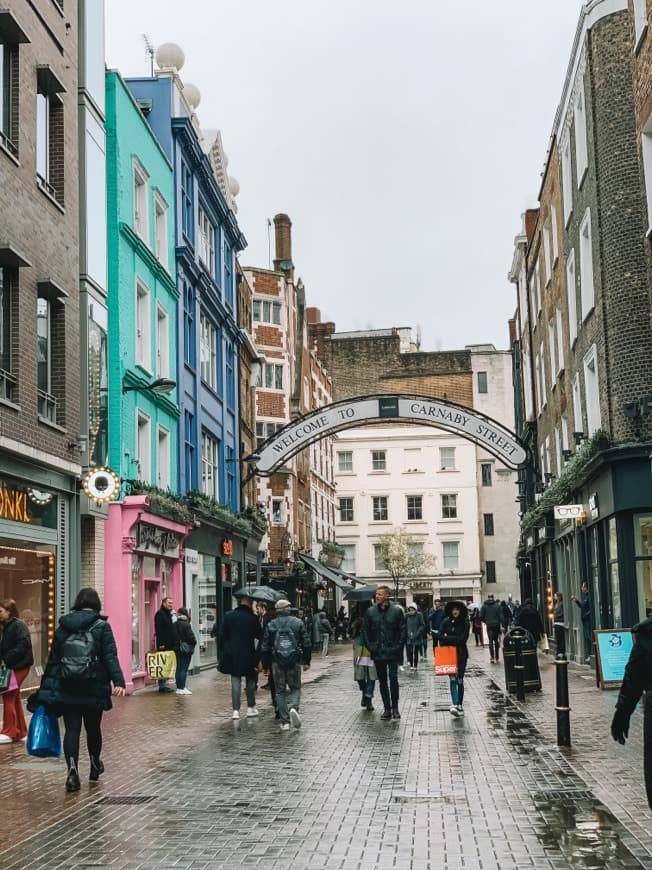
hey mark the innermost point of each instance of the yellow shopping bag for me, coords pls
(161, 665)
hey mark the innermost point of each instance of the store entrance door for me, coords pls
(152, 604)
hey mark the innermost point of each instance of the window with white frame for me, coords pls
(345, 460)
(646, 149)
(206, 240)
(143, 446)
(209, 467)
(277, 511)
(547, 251)
(143, 355)
(577, 405)
(412, 459)
(544, 378)
(488, 524)
(346, 509)
(552, 350)
(416, 550)
(567, 180)
(163, 458)
(571, 290)
(451, 552)
(348, 561)
(379, 508)
(265, 431)
(558, 448)
(587, 291)
(581, 147)
(486, 472)
(449, 506)
(592, 391)
(208, 352)
(379, 562)
(527, 385)
(553, 227)
(8, 99)
(564, 433)
(414, 504)
(162, 342)
(546, 445)
(533, 299)
(378, 460)
(161, 229)
(539, 284)
(447, 458)
(49, 143)
(141, 210)
(483, 385)
(640, 18)
(266, 311)
(537, 381)
(560, 340)
(273, 376)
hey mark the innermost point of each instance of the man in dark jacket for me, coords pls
(584, 604)
(238, 653)
(383, 632)
(286, 651)
(529, 618)
(638, 679)
(436, 618)
(491, 614)
(166, 636)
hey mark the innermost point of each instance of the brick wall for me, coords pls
(271, 404)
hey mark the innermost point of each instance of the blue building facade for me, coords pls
(207, 241)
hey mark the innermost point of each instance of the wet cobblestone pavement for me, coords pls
(186, 788)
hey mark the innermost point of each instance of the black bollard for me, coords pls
(563, 705)
(519, 667)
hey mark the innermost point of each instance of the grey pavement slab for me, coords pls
(186, 787)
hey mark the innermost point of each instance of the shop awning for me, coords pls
(332, 574)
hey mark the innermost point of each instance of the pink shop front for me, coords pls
(143, 564)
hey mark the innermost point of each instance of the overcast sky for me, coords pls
(403, 139)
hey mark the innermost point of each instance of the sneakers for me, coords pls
(460, 710)
(251, 711)
(285, 726)
(386, 714)
(184, 692)
(396, 714)
(235, 714)
(453, 709)
(295, 719)
(5, 738)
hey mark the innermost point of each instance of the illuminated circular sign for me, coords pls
(101, 484)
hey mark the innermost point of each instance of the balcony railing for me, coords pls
(47, 406)
(7, 385)
(8, 144)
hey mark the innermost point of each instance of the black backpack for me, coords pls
(286, 653)
(79, 655)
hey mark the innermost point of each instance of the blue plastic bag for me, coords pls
(43, 738)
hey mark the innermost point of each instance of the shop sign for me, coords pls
(192, 557)
(13, 505)
(568, 511)
(613, 647)
(594, 509)
(155, 540)
(227, 547)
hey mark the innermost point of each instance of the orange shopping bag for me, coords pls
(445, 661)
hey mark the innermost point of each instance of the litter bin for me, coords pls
(531, 675)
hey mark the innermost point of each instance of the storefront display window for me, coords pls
(614, 579)
(595, 575)
(207, 587)
(27, 574)
(643, 555)
(135, 614)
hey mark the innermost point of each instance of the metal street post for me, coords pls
(563, 704)
(519, 667)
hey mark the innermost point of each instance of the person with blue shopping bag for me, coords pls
(76, 684)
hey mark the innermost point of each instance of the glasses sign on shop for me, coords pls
(159, 541)
(569, 511)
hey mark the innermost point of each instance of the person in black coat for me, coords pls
(82, 701)
(15, 654)
(239, 655)
(529, 618)
(166, 635)
(454, 631)
(186, 643)
(384, 633)
(638, 679)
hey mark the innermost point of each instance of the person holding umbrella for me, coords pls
(238, 653)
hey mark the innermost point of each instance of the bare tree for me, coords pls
(402, 556)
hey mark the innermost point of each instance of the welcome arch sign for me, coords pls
(388, 408)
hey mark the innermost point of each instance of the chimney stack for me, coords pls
(283, 237)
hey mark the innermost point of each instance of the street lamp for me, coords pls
(161, 386)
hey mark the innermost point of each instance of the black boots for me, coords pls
(386, 714)
(72, 780)
(97, 768)
(395, 713)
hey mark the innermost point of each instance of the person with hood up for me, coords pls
(637, 679)
(491, 614)
(415, 629)
(529, 618)
(454, 631)
(80, 700)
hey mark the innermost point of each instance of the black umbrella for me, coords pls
(362, 593)
(259, 593)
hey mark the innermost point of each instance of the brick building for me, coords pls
(582, 340)
(39, 314)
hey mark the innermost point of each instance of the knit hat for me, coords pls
(412, 607)
(283, 604)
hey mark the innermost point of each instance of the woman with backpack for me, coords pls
(15, 654)
(186, 643)
(77, 681)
